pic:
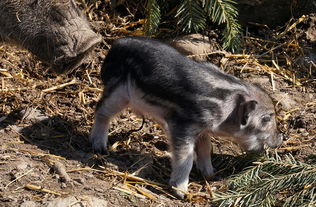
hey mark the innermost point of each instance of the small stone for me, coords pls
(60, 169)
(33, 114)
(3, 118)
(16, 128)
(63, 185)
(214, 188)
(80, 180)
(89, 175)
(22, 165)
(87, 188)
(302, 130)
(57, 176)
(77, 201)
(101, 190)
(311, 96)
(28, 204)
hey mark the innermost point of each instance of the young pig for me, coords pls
(189, 99)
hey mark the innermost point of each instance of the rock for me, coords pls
(100, 190)
(28, 204)
(80, 180)
(33, 114)
(311, 96)
(15, 128)
(3, 118)
(195, 46)
(60, 169)
(78, 201)
(22, 165)
(303, 132)
(311, 30)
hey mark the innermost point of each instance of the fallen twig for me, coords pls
(129, 191)
(142, 192)
(18, 178)
(291, 27)
(73, 81)
(41, 189)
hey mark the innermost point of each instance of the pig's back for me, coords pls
(160, 70)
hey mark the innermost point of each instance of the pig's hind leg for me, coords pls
(110, 104)
(203, 156)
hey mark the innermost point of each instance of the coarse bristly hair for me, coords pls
(56, 32)
(188, 98)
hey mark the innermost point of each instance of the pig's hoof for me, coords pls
(99, 146)
(102, 151)
(179, 194)
(217, 177)
(179, 190)
(207, 170)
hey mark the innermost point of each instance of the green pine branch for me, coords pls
(153, 17)
(275, 181)
(191, 16)
(225, 12)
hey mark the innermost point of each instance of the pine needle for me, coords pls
(285, 182)
(191, 16)
(153, 17)
(225, 12)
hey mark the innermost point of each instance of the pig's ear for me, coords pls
(245, 109)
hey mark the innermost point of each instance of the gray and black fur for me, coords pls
(189, 99)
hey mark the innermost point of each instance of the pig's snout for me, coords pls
(72, 57)
(91, 41)
(276, 142)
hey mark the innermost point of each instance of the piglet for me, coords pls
(189, 99)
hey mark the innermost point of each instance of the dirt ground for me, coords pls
(45, 156)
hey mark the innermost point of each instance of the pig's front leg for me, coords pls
(182, 145)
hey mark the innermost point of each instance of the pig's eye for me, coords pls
(266, 118)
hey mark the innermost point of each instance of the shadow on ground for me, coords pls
(59, 137)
